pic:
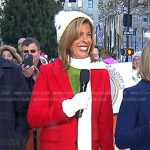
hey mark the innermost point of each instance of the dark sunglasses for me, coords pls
(31, 51)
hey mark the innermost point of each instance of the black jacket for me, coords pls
(14, 99)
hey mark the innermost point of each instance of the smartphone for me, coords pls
(28, 60)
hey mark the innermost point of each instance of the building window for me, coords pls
(135, 18)
(90, 3)
(70, 1)
(145, 18)
(80, 3)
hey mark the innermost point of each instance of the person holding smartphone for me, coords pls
(30, 47)
(30, 67)
(31, 54)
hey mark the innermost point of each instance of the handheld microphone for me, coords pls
(84, 79)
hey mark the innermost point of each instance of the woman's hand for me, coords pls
(78, 102)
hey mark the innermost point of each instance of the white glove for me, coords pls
(78, 102)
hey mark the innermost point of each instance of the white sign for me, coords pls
(128, 32)
(121, 77)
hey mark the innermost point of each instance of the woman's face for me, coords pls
(80, 48)
(136, 62)
(7, 55)
(96, 53)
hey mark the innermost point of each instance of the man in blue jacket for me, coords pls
(13, 107)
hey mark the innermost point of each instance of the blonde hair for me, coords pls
(71, 34)
(144, 65)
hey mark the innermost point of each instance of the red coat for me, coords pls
(45, 110)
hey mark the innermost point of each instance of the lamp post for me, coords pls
(135, 38)
(142, 36)
(128, 24)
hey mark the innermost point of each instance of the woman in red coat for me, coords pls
(57, 97)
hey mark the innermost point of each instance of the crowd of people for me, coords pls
(68, 101)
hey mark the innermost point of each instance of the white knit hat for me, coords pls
(64, 18)
(136, 54)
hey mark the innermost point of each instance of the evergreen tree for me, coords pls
(30, 18)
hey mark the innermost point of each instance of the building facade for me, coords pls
(90, 7)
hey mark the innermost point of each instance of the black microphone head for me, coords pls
(84, 76)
